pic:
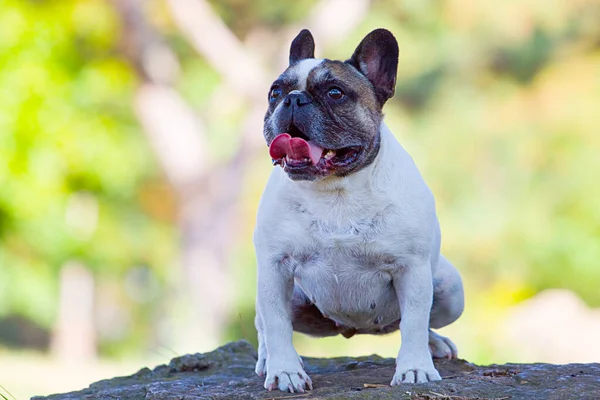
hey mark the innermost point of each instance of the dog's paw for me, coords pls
(287, 376)
(261, 364)
(441, 347)
(415, 370)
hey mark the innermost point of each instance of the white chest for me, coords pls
(343, 266)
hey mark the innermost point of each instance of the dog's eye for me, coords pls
(275, 93)
(335, 93)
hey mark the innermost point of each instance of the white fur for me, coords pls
(370, 237)
(303, 68)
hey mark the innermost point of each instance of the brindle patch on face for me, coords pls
(332, 124)
(350, 76)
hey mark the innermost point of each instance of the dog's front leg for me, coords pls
(414, 288)
(274, 303)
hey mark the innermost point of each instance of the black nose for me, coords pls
(297, 98)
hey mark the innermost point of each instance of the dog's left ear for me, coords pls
(303, 46)
(376, 57)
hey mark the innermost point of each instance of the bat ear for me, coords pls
(303, 47)
(376, 57)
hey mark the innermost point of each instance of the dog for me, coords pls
(347, 239)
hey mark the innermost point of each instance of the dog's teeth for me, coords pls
(330, 154)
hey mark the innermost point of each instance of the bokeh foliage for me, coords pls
(70, 144)
(496, 101)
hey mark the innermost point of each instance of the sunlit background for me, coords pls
(132, 161)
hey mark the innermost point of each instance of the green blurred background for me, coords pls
(132, 163)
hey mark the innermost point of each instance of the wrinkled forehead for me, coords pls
(316, 70)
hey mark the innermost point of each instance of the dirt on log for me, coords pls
(228, 373)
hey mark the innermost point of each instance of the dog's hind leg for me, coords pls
(448, 305)
(441, 346)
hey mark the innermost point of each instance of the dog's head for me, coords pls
(324, 115)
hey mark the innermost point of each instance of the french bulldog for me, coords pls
(347, 239)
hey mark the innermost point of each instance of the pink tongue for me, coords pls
(295, 148)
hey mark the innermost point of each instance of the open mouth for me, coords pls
(294, 151)
(329, 158)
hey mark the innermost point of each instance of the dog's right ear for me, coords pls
(303, 46)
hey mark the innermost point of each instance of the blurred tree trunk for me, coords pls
(74, 336)
(177, 137)
(74, 332)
